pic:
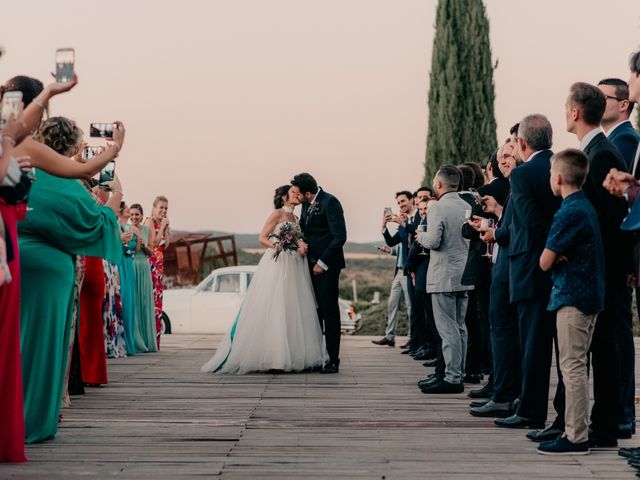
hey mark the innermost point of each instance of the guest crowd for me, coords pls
(81, 272)
(532, 256)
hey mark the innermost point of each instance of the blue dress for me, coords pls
(128, 292)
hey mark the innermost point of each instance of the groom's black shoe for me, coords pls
(331, 367)
(384, 341)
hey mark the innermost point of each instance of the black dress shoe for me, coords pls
(331, 367)
(548, 434)
(472, 378)
(444, 387)
(428, 382)
(515, 421)
(403, 346)
(596, 441)
(493, 409)
(477, 404)
(407, 352)
(432, 362)
(422, 355)
(629, 452)
(384, 341)
(484, 392)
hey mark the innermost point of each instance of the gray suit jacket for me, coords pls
(449, 249)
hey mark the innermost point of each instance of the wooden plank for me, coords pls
(160, 417)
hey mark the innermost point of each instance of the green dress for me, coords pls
(145, 309)
(64, 222)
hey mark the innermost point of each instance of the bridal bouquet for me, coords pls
(286, 237)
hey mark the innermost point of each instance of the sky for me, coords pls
(224, 100)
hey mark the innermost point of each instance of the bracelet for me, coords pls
(12, 140)
(39, 103)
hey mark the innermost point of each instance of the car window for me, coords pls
(208, 286)
(227, 283)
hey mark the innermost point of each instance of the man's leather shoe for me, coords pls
(432, 362)
(331, 367)
(429, 382)
(516, 421)
(477, 404)
(472, 378)
(423, 355)
(492, 409)
(407, 352)
(405, 345)
(629, 452)
(444, 387)
(548, 434)
(596, 441)
(384, 341)
(484, 392)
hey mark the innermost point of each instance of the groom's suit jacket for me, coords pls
(325, 230)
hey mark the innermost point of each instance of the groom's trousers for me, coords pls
(325, 286)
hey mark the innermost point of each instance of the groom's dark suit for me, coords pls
(324, 228)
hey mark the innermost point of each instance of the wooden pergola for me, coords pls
(192, 256)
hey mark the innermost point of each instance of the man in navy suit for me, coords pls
(618, 128)
(584, 109)
(533, 206)
(615, 121)
(324, 227)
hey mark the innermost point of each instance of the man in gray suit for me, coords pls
(449, 250)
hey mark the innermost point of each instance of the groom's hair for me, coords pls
(305, 182)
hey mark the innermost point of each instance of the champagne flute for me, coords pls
(423, 229)
(487, 223)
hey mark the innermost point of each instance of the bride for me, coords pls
(277, 327)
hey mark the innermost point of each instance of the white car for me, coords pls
(212, 306)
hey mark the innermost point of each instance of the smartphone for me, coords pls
(101, 130)
(107, 173)
(65, 59)
(11, 103)
(387, 211)
(89, 152)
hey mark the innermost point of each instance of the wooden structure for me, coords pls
(161, 418)
(192, 256)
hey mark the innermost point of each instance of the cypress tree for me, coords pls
(462, 125)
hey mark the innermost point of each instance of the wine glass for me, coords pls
(423, 229)
(487, 223)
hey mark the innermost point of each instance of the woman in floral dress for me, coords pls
(159, 224)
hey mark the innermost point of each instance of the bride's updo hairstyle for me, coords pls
(283, 191)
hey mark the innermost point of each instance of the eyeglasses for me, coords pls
(615, 98)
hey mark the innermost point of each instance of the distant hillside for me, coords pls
(250, 240)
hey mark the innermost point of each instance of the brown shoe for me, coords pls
(384, 341)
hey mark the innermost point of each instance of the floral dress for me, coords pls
(156, 261)
(112, 313)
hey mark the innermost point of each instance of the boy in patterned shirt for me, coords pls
(575, 256)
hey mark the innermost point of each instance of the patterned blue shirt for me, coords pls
(575, 234)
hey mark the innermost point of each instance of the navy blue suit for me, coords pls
(324, 228)
(503, 318)
(626, 139)
(533, 206)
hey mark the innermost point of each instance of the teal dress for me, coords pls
(65, 222)
(145, 340)
(128, 292)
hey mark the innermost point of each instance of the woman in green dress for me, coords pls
(128, 279)
(64, 222)
(145, 309)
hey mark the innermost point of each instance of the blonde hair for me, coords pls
(160, 198)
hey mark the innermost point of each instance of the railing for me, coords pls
(192, 256)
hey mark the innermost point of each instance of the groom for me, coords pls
(324, 228)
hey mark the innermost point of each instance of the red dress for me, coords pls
(93, 357)
(11, 401)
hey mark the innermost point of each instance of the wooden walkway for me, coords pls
(160, 418)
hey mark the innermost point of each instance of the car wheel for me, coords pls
(165, 324)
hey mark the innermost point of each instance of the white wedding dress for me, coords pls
(277, 327)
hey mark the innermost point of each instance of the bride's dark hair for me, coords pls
(278, 202)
